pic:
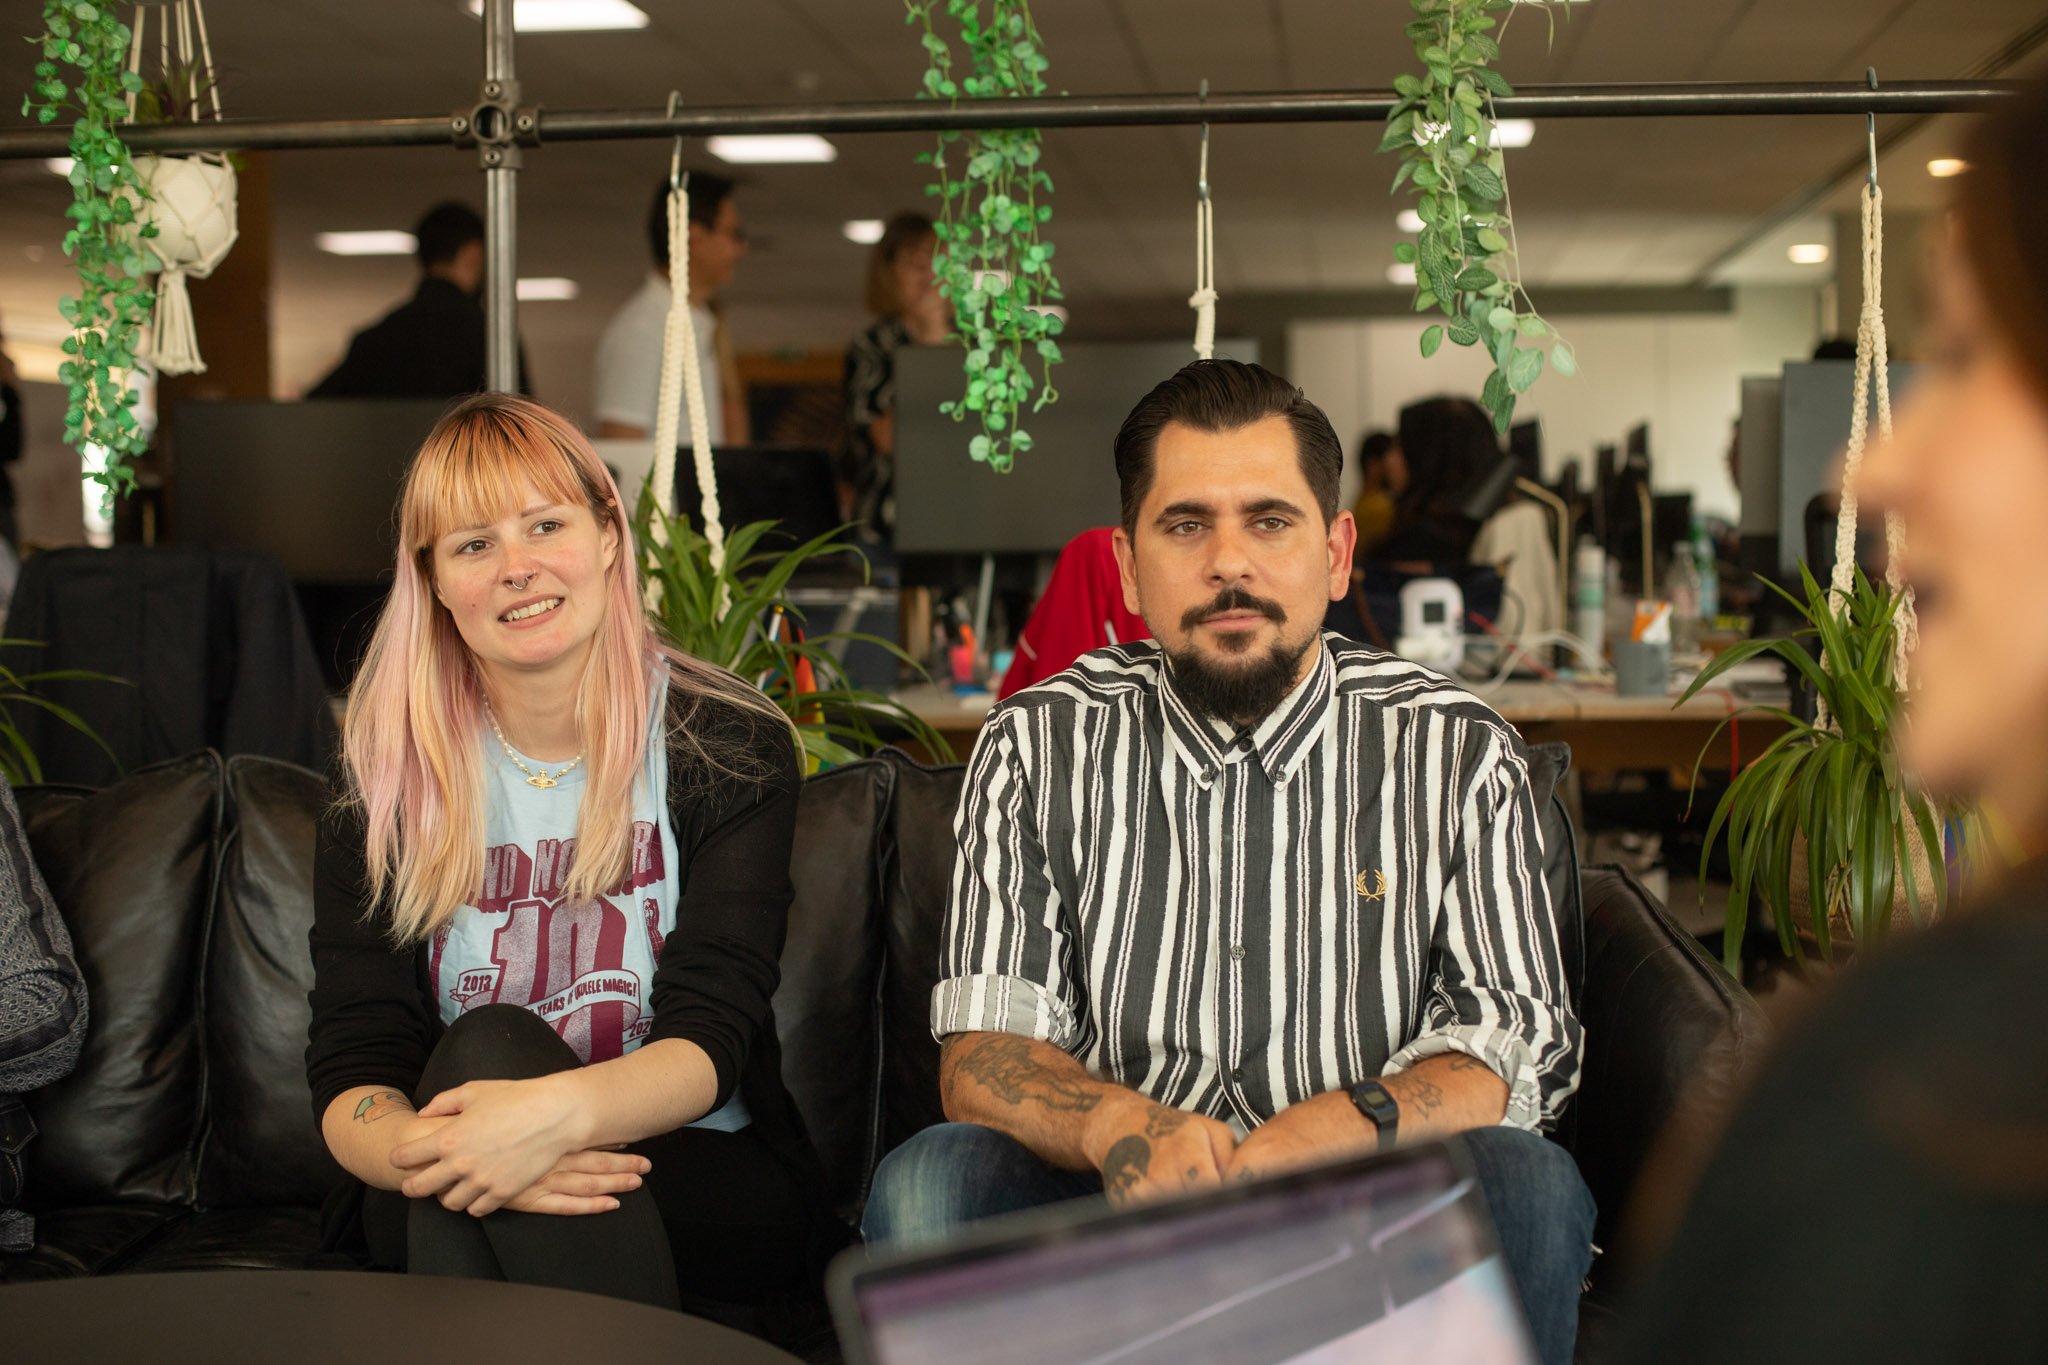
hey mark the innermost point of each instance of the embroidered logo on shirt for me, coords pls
(1371, 886)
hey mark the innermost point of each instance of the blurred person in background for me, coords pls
(628, 377)
(1384, 472)
(432, 345)
(1450, 454)
(909, 311)
(1882, 1194)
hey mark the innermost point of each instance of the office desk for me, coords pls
(1607, 733)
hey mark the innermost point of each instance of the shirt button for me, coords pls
(1237, 1073)
(1237, 952)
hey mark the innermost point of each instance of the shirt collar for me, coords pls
(1278, 742)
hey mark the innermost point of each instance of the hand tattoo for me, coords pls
(1006, 1070)
(1164, 1120)
(382, 1105)
(1126, 1164)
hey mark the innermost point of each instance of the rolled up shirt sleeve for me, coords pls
(1497, 989)
(1006, 952)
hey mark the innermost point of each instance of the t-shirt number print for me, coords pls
(585, 967)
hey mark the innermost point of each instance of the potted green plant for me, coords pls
(738, 615)
(1826, 806)
(18, 762)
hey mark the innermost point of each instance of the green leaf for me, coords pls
(1463, 333)
(1524, 368)
(1564, 359)
(1501, 319)
(1432, 338)
(1404, 252)
(1482, 182)
(1532, 326)
(1474, 279)
(1492, 241)
(1494, 82)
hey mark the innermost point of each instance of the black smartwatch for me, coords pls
(1379, 1108)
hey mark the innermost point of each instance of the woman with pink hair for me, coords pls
(548, 908)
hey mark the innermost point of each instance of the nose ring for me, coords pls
(520, 583)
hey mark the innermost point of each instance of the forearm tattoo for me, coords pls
(1420, 1095)
(1006, 1069)
(1127, 1163)
(382, 1105)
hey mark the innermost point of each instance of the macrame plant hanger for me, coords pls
(682, 387)
(1203, 300)
(1872, 361)
(191, 198)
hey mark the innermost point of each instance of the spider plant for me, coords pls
(739, 616)
(17, 760)
(1832, 785)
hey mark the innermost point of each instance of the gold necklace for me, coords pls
(533, 779)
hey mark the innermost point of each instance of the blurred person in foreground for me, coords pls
(1882, 1195)
(904, 296)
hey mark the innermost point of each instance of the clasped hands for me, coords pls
(1147, 1151)
(517, 1145)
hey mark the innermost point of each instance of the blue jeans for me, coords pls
(956, 1173)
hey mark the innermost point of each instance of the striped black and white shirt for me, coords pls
(1233, 922)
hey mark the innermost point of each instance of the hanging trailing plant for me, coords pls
(111, 310)
(1467, 266)
(992, 262)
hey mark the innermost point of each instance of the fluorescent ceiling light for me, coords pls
(772, 149)
(1409, 221)
(377, 242)
(1514, 132)
(1941, 168)
(1400, 273)
(59, 165)
(866, 231)
(1807, 253)
(546, 289)
(570, 16)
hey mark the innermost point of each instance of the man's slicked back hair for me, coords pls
(1218, 396)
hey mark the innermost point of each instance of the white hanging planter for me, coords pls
(191, 199)
(192, 203)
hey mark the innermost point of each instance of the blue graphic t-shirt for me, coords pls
(584, 967)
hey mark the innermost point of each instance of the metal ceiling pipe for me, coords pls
(501, 204)
(1064, 111)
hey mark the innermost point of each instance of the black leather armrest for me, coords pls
(1669, 1036)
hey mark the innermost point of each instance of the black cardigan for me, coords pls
(374, 1014)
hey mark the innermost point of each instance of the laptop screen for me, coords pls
(1385, 1259)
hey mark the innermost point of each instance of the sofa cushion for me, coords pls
(87, 1240)
(825, 1009)
(920, 879)
(1669, 1036)
(237, 1239)
(131, 869)
(260, 1148)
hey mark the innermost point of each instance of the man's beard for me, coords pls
(1244, 693)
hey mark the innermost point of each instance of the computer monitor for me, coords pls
(1525, 444)
(312, 484)
(1817, 401)
(947, 503)
(789, 485)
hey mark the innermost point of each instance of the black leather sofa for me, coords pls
(184, 1139)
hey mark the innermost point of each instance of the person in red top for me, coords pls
(1083, 609)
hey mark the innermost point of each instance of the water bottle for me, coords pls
(1682, 587)
(1710, 572)
(1589, 600)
